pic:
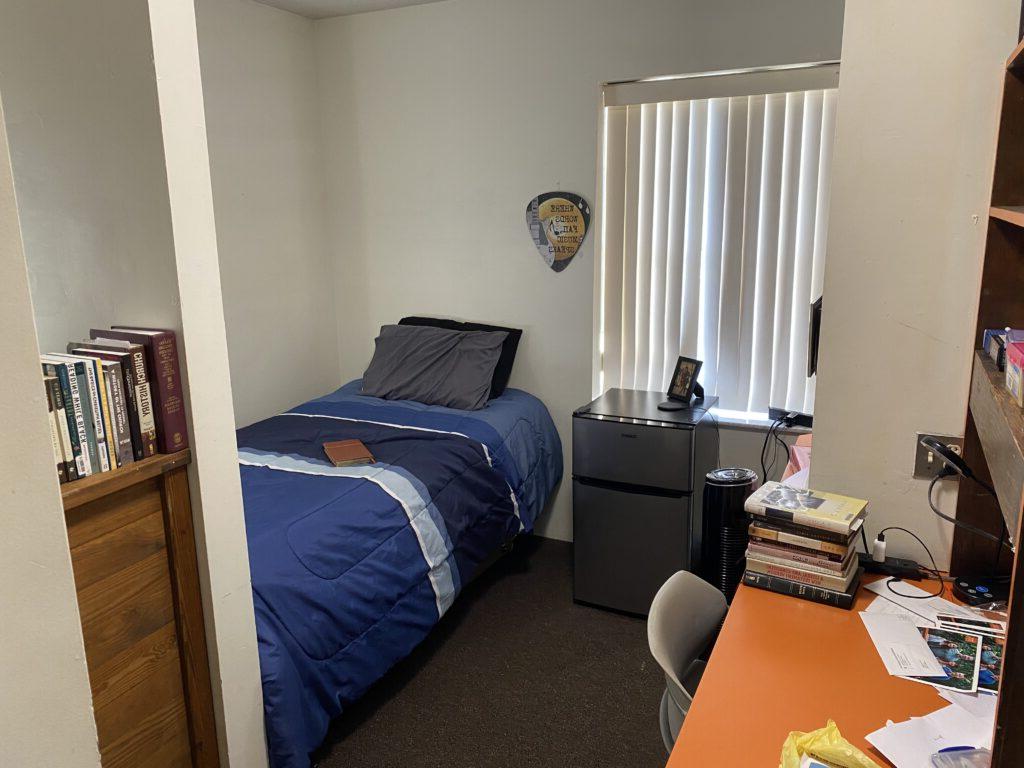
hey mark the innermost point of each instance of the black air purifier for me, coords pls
(725, 527)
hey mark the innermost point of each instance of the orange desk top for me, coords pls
(783, 664)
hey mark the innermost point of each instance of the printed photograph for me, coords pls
(959, 654)
(980, 624)
(991, 664)
(684, 379)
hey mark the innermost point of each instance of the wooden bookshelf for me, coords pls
(93, 487)
(1014, 214)
(137, 581)
(1016, 60)
(999, 422)
(994, 429)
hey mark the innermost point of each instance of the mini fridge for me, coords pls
(638, 478)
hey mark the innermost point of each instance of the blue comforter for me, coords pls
(352, 567)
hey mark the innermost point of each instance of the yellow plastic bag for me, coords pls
(825, 744)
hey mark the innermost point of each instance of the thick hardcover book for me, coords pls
(114, 379)
(51, 416)
(814, 509)
(814, 561)
(795, 572)
(79, 399)
(161, 347)
(768, 528)
(93, 388)
(56, 393)
(840, 599)
(348, 453)
(133, 363)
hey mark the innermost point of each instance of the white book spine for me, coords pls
(58, 454)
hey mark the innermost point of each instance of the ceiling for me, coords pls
(322, 9)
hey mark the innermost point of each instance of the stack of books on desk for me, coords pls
(803, 543)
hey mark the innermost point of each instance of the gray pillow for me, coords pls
(434, 366)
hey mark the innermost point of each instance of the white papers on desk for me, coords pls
(900, 645)
(911, 744)
(927, 609)
(981, 705)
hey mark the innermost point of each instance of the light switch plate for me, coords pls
(926, 464)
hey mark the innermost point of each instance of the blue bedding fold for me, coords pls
(352, 567)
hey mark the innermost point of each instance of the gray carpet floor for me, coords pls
(516, 674)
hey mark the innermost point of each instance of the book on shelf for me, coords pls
(76, 425)
(805, 574)
(78, 396)
(839, 598)
(803, 536)
(101, 403)
(812, 509)
(91, 386)
(51, 415)
(122, 435)
(114, 404)
(161, 352)
(139, 401)
(55, 395)
(348, 453)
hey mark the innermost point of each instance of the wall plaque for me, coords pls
(558, 223)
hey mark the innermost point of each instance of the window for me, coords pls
(713, 219)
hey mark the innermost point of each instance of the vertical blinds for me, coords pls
(714, 214)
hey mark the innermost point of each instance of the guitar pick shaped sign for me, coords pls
(558, 223)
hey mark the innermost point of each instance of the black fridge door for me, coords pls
(626, 544)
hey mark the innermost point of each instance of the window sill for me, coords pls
(753, 423)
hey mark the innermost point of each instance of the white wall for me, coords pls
(88, 154)
(214, 479)
(442, 121)
(911, 182)
(88, 165)
(42, 661)
(263, 124)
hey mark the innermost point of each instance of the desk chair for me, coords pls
(684, 616)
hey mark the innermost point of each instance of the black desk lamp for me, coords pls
(972, 589)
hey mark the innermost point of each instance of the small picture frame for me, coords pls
(684, 379)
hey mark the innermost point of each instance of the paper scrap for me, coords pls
(928, 609)
(980, 705)
(911, 744)
(881, 605)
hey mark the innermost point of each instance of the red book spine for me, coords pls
(165, 378)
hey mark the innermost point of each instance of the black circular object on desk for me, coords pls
(673, 405)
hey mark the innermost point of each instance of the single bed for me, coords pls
(353, 566)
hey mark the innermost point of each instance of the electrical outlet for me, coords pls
(926, 464)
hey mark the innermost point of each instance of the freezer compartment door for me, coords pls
(636, 454)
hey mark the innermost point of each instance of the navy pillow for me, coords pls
(503, 371)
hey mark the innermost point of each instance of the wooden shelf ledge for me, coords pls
(79, 492)
(1014, 214)
(1016, 60)
(999, 422)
